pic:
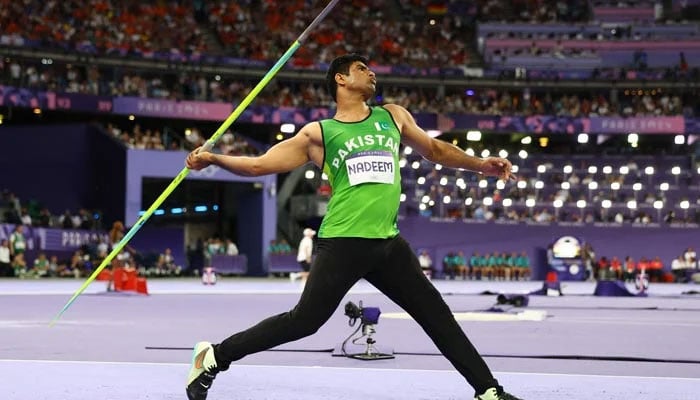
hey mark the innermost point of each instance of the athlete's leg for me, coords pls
(337, 267)
(401, 279)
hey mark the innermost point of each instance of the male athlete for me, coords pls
(359, 151)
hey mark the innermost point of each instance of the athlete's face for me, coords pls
(362, 78)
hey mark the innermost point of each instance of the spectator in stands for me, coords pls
(283, 247)
(41, 266)
(116, 234)
(475, 264)
(523, 266)
(19, 265)
(231, 248)
(460, 265)
(25, 217)
(690, 257)
(272, 248)
(304, 255)
(448, 265)
(44, 219)
(679, 269)
(66, 220)
(604, 272)
(54, 266)
(5, 259)
(86, 220)
(359, 237)
(166, 264)
(588, 258)
(616, 267)
(656, 269)
(630, 269)
(18, 243)
(426, 263)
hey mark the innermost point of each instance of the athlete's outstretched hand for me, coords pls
(198, 159)
(496, 166)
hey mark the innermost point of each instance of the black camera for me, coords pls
(367, 315)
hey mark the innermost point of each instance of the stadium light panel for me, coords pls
(287, 128)
(473, 136)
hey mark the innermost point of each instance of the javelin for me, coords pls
(207, 146)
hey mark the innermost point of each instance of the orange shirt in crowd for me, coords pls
(656, 264)
(643, 264)
(615, 264)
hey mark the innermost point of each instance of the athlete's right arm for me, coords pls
(282, 157)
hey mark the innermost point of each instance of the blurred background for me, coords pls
(594, 102)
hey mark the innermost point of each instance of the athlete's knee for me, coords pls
(306, 322)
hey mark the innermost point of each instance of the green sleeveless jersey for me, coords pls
(362, 163)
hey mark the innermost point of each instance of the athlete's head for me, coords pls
(341, 65)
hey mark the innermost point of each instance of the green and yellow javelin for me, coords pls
(207, 146)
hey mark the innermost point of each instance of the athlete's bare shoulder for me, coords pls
(312, 131)
(399, 113)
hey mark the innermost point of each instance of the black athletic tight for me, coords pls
(392, 267)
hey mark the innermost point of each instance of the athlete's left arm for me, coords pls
(441, 152)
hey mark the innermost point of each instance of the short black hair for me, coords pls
(341, 65)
